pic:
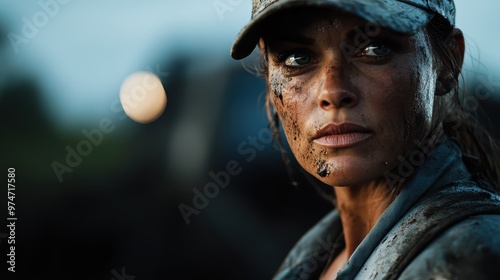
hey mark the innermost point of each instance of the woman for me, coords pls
(367, 94)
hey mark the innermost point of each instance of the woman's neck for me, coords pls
(360, 208)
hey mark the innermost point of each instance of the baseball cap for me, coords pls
(402, 16)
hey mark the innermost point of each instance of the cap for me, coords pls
(403, 16)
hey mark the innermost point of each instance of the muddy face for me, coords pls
(350, 100)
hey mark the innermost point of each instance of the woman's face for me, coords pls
(352, 98)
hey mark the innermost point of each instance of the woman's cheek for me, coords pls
(295, 109)
(418, 115)
(295, 101)
(299, 98)
(289, 112)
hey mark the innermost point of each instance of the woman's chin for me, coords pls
(348, 175)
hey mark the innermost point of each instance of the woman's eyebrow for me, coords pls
(291, 38)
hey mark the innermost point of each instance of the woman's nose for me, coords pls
(335, 92)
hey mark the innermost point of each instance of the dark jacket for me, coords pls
(444, 224)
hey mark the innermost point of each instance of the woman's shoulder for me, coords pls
(448, 234)
(469, 249)
(468, 244)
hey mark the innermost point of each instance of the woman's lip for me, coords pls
(341, 135)
(342, 140)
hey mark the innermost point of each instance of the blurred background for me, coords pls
(115, 211)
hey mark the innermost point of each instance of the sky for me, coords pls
(81, 51)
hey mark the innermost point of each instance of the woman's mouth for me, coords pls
(341, 136)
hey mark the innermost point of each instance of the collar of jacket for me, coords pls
(309, 256)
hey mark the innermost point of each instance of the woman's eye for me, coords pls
(297, 59)
(375, 50)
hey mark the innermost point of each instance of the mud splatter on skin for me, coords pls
(289, 109)
(276, 84)
(323, 169)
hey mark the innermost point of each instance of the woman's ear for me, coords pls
(449, 72)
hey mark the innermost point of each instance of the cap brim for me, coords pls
(393, 15)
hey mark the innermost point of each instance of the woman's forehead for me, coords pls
(312, 19)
